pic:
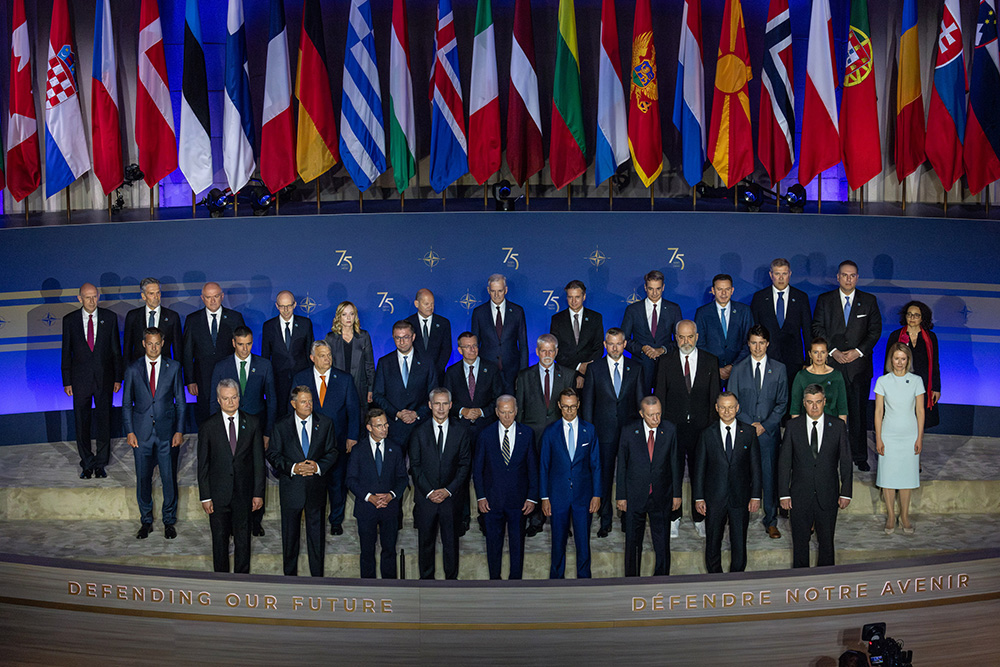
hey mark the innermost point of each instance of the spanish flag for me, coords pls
(644, 139)
(909, 101)
(730, 139)
(316, 147)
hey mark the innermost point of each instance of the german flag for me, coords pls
(316, 147)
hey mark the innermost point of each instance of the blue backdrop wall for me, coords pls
(380, 260)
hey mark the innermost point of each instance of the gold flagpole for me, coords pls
(193, 204)
(904, 195)
(109, 208)
(819, 193)
(444, 202)
(402, 201)
(694, 198)
(569, 196)
(361, 201)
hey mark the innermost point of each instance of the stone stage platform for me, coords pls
(45, 510)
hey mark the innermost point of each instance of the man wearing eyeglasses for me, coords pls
(286, 342)
(403, 383)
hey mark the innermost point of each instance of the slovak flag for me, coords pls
(66, 154)
(104, 98)
(946, 118)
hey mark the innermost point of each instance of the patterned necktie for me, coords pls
(305, 439)
(847, 310)
(687, 373)
(243, 377)
(617, 381)
(288, 335)
(427, 334)
(779, 309)
(152, 379)
(499, 324)
(232, 435)
(90, 332)
(322, 389)
(729, 442)
(378, 459)
(547, 391)
(472, 385)
(215, 328)
(571, 442)
(406, 373)
(725, 326)
(652, 323)
(576, 327)
(756, 375)
(505, 448)
(814, 440)
(152, 319)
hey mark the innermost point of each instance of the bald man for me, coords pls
(286, 341)
(433, 339)
(208, 339)
(92, 371)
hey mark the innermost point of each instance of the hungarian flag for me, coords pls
(861, 144)
(820, 139)
(23, 170)
(104, 98)
(154, 115)
(730, 138)
(524, 118)
(776, 140)
(277, 132)
(982, 131)
(946, 118)
(484, 101)
(909, 100)
(612, 125)
(644, 140)
(316, 149)
(567, 149)
(402, 126)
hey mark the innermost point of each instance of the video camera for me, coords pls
(883, 650)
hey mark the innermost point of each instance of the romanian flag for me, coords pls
(909, 101)
(316, 149)
(567, 148)
(644, 139)
(730, 139)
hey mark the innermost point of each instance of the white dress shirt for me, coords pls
(95, 318)
(774, 295)
(503, 312)
(218, 319)
(309, 430)
(156, 316)
(372, 445)
(409, 361)
(621, 368)
(692, 362)
(159, 365)
(441, 427)
(723, 311)
(649, 312)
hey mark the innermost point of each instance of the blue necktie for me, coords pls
(729, 443)
(847, 310)
(406, 372)
(305, 439)
(152, 319)
(378, 459)
(618, 380)
(780, 310)
(572, 443)
(725, 327)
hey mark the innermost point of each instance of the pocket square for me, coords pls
(584, 444)
(860, 315)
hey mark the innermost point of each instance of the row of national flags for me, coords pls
(959, 136)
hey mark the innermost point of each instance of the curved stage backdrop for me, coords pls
(380, 260)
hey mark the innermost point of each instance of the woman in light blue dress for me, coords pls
(899, 431)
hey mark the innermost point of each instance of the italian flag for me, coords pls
(402, 126)
(484, 103)
(567, 148)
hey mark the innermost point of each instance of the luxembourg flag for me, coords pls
(66, 154)
(689, 95)
(237, 117)
(612, 125)
(104, 98)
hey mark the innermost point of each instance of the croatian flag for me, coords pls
(237, 118)
(689, 95)
(104, 98)
(612, 125)
(449, 150)
(66, 155)
(982, 131)
(277, 133)
(946, 118)
(362, 132)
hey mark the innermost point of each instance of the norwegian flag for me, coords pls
(776, 141)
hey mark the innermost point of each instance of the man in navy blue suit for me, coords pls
(286, 342)
(337, 399)
(784, 311)
(403, 383)
(153, 419)
(433, 331)
(376, 475)
(723, 326)
(570, 483)
(505, 473)
(501, 331)
(649, 326)
(151, 314)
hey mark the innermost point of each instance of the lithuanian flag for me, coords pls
(567, 150)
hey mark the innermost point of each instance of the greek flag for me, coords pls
(362, 132)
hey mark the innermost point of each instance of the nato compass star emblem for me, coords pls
(634, 297)
(48, 319)
(431, 259)
(308, 305)
(468, 301)
(597, 258)
(2, 322)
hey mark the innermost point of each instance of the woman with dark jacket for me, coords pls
(915, 318)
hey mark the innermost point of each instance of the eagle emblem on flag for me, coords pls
(644, 85)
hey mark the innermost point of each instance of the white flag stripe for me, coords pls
(149, 78)
(357, 150)
(486, 82)
(456, 128)
(278, 91)
(525, 82)
(364, 111)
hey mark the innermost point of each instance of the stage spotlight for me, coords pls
(261, 200)
(133, 174)
(216, 202)
(796, 198)
(502, 195)
(753, 196)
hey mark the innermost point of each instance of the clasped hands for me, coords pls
(380, 500)
(306, 468)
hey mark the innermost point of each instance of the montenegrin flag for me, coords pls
(567, 150)
(402, 125)
(982, 129)
(859, 135)
(484, 100)
(730, 139)
(820, 136)
(612, 125)
(154, 114)
(23, 164)
(316, 149)
(644, 138)
(776, 139)
(946, 118)
(104, 99)
(909, 100)
(277, 132)
(66, 154)
(524, 118)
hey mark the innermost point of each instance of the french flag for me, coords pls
(689, 95)
(946, 118)
(277, 133)
(104, 97)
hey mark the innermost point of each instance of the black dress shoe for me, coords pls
(85, 473)
(603, 532)
(144, 531)
(336, 530)
(100, 472)
(169, 532)
(532, 531)
(863, 466)
(258, 531)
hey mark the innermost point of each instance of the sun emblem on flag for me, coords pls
(644, 85)
(859, 58)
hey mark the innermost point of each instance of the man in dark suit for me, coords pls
(784, 311)
(569, 481)
(500, 329)
(687, 382)
(814, 476)
(286, 341)
(850, 321)
(649, 325)
(231, 477)
(723, 326)
(91, 373)
(538, 388)
(403, 383)
(578, 330)
(208, 339)
(376, 475)
(336, 398)
(303, 448)
(440, 461)
(650, 475)
(152, 314)
(255, 379)
(433, 332)
(726, 484)
(612, 390)
(153, 419)
(760, 384)
(505, 473)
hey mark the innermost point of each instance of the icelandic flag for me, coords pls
(66, 154)
(237, 117)
(612, 125)
(689, 95)
(449, 149)
(104, 98)
(362, 132)
(982, 131)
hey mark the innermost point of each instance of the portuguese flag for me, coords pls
(567, 150)
(859, 135)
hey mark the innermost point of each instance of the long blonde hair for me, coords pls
(337, 327)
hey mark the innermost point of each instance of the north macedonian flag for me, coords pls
(644, 139)
(730, 139)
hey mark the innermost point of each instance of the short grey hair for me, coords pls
(227, 383)
(497, 278)
(148, 281)
(438, 392)
(317, 344)
(547, 338)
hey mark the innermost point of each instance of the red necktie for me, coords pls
(152, 379)
(90, 332)
(472, 385)
(652, 325)
(649, 444)
(499, 324)
(547, 389)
